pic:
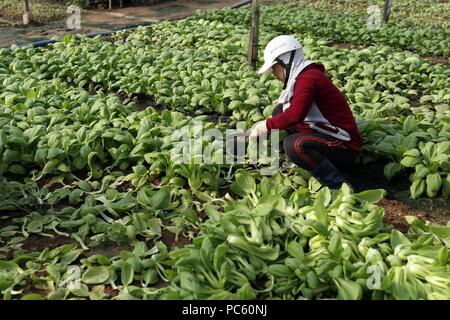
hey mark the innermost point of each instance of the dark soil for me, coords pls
(46, 182)
(81, 174)
(344, 45)
(223, 191)
(143, 102)
(160, 284)
(371, 176)
(442, 60)
(10, 216)
(124, 186)
(217, 118)
(154, 180)
(30, 289)
(108, 249)
(395, 212)
(110, 291)
(39, 243)
(202, 216)
(14, 177)
(398, 202)
(169, 239)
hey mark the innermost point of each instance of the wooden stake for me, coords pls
(253, 39)
(26, 12)
(387, 10)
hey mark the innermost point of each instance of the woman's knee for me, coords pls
(297, 151)
(289, 146)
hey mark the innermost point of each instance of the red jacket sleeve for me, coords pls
(301, 101)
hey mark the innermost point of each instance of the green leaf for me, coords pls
(429, 151)
(446, 186)
(417, 188)
(312, 280)
(97, 293)
(371, 196)
(434, 182)
(35, 226)
(63, 168)
(348, 290)
(74, 196)
(145, 196)
(244, 184)
(161, 199)
(212, 213)
(421, 171)
(264, 252)
(265, 186)
(279, 270)
(9, 272)
(34, 133)
(189, 282)
(31, 95)
(246, 292)
(50, 166)
(443, 147)
(440, 231)
(409, 161)
(149, 276)
(96, 275)
(32, 296)
(319, 206)
(67, 38)
(397, 238)
(314, 185)
(391, 169)
(295, 250)
(230, 93)
(206, 252)
(335, 246)
(10, 98)
(426, 98)
(253, 101)
(127, 274)
(17, 169)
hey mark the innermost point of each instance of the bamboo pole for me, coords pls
(253, 39)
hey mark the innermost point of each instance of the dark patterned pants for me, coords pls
(308, 150)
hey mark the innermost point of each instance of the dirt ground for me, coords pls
(398, 203)
(94, 21)
(395, 212)
(442, 60)
(39, 243)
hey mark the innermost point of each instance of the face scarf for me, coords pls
(293, 63)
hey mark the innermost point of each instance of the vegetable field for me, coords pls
(93, 205)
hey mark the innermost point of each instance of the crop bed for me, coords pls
(93, 206)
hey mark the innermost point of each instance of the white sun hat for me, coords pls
(275, 48)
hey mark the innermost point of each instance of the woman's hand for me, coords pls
(258, 129)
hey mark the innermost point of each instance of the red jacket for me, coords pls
(312, 84)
